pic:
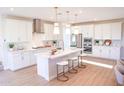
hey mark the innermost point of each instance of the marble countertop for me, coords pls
(28, 50)
(60, 53)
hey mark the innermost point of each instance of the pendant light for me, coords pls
(76, 29)
(67, 24)
(56, 24)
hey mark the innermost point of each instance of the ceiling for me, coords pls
(84, 13)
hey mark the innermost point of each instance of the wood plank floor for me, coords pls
(92, 75)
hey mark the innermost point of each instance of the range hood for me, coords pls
(38, 26)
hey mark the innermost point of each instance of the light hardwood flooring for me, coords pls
(90, 76)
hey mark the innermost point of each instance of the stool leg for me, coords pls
(57, 71)
(66, 78)
(73, 67)
(78, 62)
(72, 70)
(80, 65)
(84, 66)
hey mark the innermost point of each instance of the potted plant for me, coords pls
(54, 43)
(11, 46)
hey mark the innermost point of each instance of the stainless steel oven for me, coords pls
(87, 45)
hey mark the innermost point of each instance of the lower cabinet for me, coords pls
(106, 52)
(20, 60)
(15, 62)
(97, 51)
(115, 53)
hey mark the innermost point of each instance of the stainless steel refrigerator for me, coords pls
(76, 40)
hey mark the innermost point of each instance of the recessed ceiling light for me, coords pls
(11, 9)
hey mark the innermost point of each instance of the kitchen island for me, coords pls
(46, 63)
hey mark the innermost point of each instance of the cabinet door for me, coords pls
(16, 62)
(98, 32)
(11, 28)
(116, 31)
(48, 28)
(87, 31)
(29, 29)
(106, 31)
(25, 58)
(22, 36)
(84, 31)
(105, 52)
(97, 51)
(115, 53)
(90, 30)
(32, 58)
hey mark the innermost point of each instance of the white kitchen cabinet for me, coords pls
(105, 52)
(48, 29)
(11, 30)
(17, 30)
(98, 32)
(49, 33)
(87, 31)
(15, 61)
(32, 58)
(115, 53)
(97, 51)
(18, 60)
(25, 59)
(22, 32)
(116, 31)
(106, 31)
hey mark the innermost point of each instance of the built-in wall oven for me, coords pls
(87, 45)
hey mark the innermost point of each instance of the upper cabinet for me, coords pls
(49, 32)
(98, 31)
(17, 30)
(106, 31)
(87, 31)
(48, 29)
(116, 31)
(11, 30)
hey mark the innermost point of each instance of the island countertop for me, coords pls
(59, 53)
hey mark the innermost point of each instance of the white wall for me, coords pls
(37, 39)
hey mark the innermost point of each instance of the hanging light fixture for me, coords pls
(68, 25)
(56, 24)
(76, 29)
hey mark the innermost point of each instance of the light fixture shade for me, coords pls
(68, 25)
(68, 30)
(56, 24)
(56, 30)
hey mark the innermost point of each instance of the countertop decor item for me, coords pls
(107, 42)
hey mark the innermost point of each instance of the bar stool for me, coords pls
(81, 61)
(71, 69)
(63, 64)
